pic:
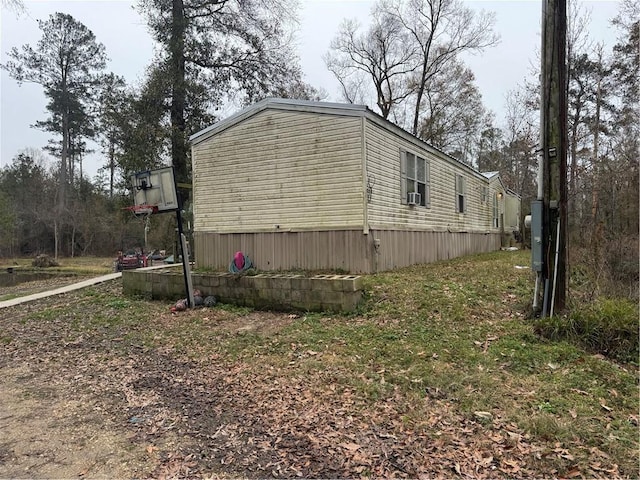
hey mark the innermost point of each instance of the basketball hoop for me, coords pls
(142, 210)
(156, 188)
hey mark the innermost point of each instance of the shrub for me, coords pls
(44, 261)
(609, 327)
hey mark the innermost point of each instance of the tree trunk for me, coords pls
(112, 167)
(70, 159)
(73, 241)
(62, 187)
(416, 110)
(55, 239)
(179, 93)
(596, 173)
(383, 104)
(573, 175)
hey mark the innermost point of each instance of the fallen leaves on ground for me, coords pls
(210, 416)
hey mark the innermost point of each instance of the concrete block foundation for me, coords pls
(287, 292)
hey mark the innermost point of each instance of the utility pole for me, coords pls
(554, 155)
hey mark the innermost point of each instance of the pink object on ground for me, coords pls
(238, 260)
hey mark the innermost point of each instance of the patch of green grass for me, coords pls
(457, 332)
(46, 314)
(119, 303)
(606, 326)
(10, 296)
(525, 354)
(548, 427)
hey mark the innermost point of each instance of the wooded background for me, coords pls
(409, 59)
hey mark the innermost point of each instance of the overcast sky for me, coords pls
(130, 49)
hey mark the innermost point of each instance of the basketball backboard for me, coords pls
(156, 188)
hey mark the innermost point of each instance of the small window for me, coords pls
(415, 177)
(484, 195)
(496, 223)
(461, 206)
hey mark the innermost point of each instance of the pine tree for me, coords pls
(67, 62)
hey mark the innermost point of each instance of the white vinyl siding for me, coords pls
(280, 171)
(511, 212)
(283, 170)
(313, 185)
(388, 210)
(505, 207)
(403, 177)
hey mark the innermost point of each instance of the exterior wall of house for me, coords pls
(386, 210)
(496, 188)
(338, 250)
(508, 204)
(398, 248)
(288, 188)
(512, 213)
(508, 210)
(280, 171)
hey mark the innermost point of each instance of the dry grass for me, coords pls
(76, 265)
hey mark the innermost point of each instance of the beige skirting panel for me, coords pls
(401, 248)
(342, 250)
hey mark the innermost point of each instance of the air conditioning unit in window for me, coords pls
(413, 198)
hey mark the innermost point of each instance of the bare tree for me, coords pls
(380, 55)
(16, 5)
(452, 112)
(579, 92)
(521, 137)
(440, 30)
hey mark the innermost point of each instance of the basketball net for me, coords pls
(142, 210)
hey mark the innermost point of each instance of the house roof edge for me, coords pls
(278, 104)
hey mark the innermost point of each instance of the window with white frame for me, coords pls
(496, 219)
(484, 195)
(415, 178)
(461, 188)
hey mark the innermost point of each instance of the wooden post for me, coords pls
(554, 103)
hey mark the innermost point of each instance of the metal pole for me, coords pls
(186, 271)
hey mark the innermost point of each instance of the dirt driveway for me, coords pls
(48, 433)
(81, 397)
(51, 424)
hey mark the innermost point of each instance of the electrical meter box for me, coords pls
(537, 257)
